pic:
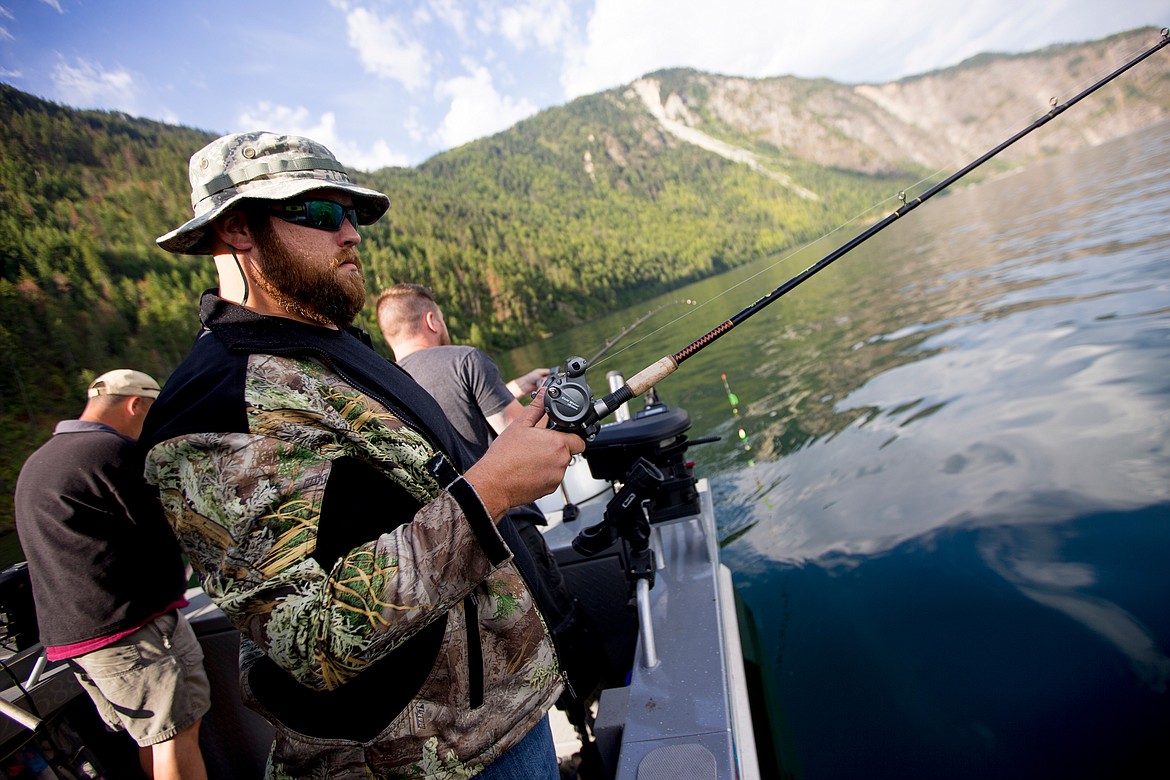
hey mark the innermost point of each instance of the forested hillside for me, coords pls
(527, 238)
(580, 209)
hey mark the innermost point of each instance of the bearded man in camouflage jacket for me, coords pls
(330, 511)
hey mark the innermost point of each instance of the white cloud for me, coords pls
(544, 23)
(380, 155)
(386, 49)
(477, 109)
(5, 35)
(450, 13)
(299, 121)
(87, 85)
(413, 124)
(839, 39)
(54, 4)
(625, 40)
(284, 119)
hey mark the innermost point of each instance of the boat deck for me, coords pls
(684, 712)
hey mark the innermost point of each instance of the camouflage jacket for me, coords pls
(387, 631)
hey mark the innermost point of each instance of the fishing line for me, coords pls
(609, 344)
(569, 401)
(791, 253)
(1080, 89)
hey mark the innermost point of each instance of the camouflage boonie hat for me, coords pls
(261, 166)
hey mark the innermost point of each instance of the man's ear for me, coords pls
(431, 320)
(232, 229)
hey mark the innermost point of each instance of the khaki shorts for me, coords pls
(150, 683)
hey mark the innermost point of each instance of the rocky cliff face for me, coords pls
(936, 121)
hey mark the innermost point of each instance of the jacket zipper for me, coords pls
(474, 651)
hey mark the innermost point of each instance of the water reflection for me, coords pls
(1032, 361)
(1031, 559)
(951, 527)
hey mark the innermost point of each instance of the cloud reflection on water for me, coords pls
(1010, 381)
(1058, 584)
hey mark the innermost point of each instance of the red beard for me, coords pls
(308, 286)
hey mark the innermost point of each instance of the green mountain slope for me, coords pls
(584, 208)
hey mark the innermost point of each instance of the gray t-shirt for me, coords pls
(467, 384)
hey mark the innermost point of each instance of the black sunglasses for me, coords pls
(319, 214)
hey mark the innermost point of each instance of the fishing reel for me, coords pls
(569, 401)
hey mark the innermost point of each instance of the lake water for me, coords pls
(948, 512)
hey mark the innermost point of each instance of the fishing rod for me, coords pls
(569, 401)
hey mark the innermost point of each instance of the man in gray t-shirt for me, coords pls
(455, 375)
(464, 380)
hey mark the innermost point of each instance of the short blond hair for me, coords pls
(401, 307)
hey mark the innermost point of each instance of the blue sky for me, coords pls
(393, 82)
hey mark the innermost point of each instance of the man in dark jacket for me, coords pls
(388, 627)
(108, 578)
